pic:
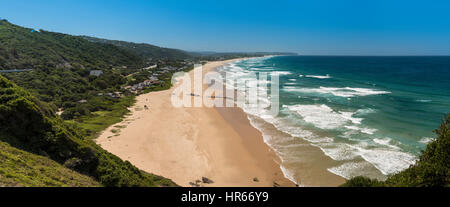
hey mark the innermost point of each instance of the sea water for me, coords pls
(372, 115)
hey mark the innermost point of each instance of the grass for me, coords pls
(98, 121)
(19, 168)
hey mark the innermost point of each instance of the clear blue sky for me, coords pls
(316, 27)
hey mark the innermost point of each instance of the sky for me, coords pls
(308, 27)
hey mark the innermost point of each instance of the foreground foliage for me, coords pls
(19, 168)
(29, 125)
(431, 170)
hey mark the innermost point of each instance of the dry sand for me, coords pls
(186, 144)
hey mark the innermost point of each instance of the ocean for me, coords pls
(371, 115)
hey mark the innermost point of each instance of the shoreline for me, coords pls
(187, 144)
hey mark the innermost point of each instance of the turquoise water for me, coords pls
(369, 113)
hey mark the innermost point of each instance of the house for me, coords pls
(118, 94)
(82, 101)
(151, 67)
(148, 83)
(113, 95)
(153, 78)
(96, 73)
(35, 30)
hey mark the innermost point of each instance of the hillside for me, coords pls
(146, 51)
(61, 64)
(47, 135)
(24, 48)
(19, 168)
(431, 170)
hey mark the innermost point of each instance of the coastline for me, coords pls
(186, 144)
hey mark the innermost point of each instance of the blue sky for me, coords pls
(314, 27)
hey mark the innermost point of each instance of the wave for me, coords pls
(386, 142)
(322, 116)
(423, 101)
(350, 170)
(280, 73)
(346, 92)
(288, 174)
(426, 140)
(318, 76)
(290, 84)
(386, 159)
(364, 130)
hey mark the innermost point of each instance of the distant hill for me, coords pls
(248, 54)
(25, 48)
(144, 50)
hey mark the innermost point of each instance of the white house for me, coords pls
(96, 73)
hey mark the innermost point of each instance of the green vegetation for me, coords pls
(94, 123)
(431, 170)
(23, 48)
(144, 50)
(49, 136)
(19, 168)
(62, 65)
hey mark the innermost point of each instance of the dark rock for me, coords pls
(255, 179)
(275, 184)
(207, 180)
(194, 184)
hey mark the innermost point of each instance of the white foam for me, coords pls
(349, 116)
(350, 170)
(364, 130)
(424, 101)
(280, 73)
(346, 92)
(387, 161)
(386, 142)
(318, 76)
(290, 84)
(426, 140)
(323, 116)
(288, 174)
(365, 111)
(336, 151)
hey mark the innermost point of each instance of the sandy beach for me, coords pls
(187, 143)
